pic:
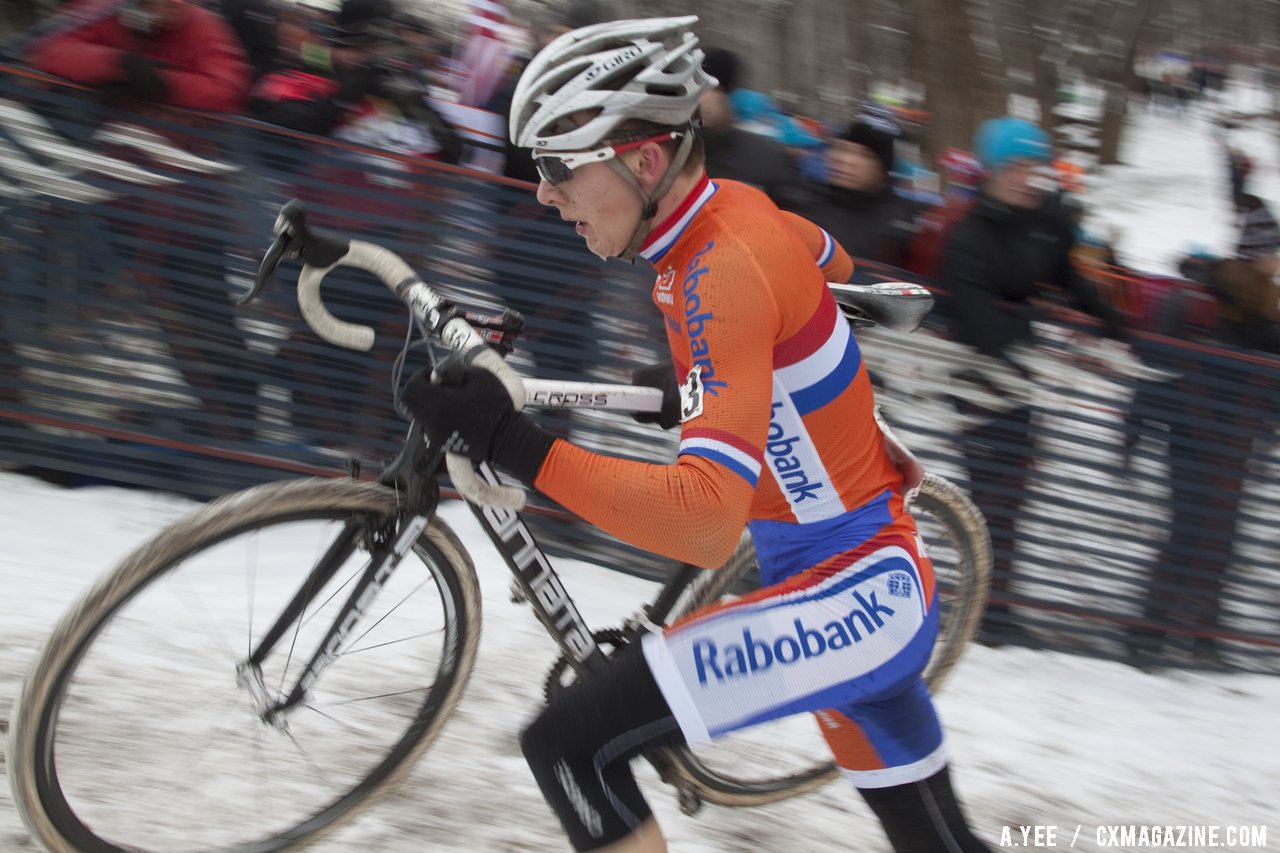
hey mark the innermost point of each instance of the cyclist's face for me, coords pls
(603, 206)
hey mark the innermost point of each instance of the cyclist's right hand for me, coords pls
(661, 375)
(467, 410)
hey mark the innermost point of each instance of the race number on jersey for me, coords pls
(691, 395)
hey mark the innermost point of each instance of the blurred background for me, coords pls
(1135, 505)
(1129, 478)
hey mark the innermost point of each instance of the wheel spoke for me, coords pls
(350, 652)
(317, 771)
(393, 609)
(251, 568)
(334, 719)
(151, 728)
(200, 612)
(223, 727)
(377, 696)
(302, 623)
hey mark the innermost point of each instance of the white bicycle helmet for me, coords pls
(649, 69)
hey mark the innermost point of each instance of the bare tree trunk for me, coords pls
(962, 86)
(1038, 41)
(857, 26)
(1118, 75)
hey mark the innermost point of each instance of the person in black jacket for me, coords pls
(254, 23)
(858, 205)
(1213, 424)
(734, 153)
(996, 260)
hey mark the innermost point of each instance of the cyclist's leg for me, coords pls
(855, 627)
(580, 749)
(893, 752)
(852, 634)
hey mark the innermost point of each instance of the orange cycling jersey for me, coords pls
(786, 439)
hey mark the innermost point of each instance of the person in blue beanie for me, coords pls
(1013, 244)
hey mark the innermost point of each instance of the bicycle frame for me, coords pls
(537, 580)
(495, 504)
(529, 565)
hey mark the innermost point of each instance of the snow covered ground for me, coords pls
(1170, 195)
(1037, 738)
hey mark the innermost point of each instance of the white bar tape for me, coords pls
(462, 472)
(327, 326)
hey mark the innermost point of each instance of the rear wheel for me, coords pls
(138, 730)
(787, 757)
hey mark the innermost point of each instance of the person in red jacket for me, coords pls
(158, 51)
(140, 55)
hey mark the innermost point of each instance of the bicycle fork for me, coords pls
(384, 557)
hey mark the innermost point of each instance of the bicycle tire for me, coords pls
(962, 597)
(36, 753)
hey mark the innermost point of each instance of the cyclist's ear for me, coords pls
(448, 372)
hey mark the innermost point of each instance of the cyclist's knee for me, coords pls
(561, 735)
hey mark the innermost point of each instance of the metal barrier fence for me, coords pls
(126, 238)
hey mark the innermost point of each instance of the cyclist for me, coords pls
(777, 431)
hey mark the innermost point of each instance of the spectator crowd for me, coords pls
(995, 229)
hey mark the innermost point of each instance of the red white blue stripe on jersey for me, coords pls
(724, 448)
(819, 362)
(828, 248)
(667, 232)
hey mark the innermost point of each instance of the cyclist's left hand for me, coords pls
(468, 411)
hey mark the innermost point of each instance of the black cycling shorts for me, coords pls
(580, 749)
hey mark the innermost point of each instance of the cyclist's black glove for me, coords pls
(661, 375)
(468, 411)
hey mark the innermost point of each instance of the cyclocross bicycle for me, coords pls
(290, 650)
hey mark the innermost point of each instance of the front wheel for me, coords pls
(137, 730)
(787, 757)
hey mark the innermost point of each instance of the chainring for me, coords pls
(609, 639)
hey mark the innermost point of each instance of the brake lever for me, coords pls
(315, 246)
(266, 270)
(290, 229)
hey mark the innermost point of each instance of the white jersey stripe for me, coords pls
(822, 363)
(888, 777)
(658, 248)
(743, 459)
(795, 463)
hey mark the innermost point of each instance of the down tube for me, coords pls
(537, 580)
